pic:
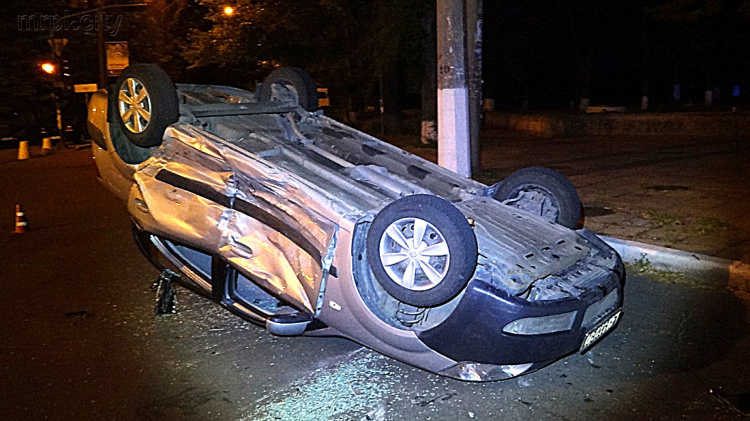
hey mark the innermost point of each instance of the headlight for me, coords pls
(541, 325)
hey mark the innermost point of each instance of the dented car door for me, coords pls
(201, 190)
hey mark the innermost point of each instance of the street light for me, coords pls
(228, 10)
(51, 69)
(48, 68)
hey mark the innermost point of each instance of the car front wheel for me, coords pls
(421, 250)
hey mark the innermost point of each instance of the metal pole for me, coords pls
(58, 112)
(58, 85)
(454, 147)
(429, 132)
(103, 82)
(474, 70)
(380, 102)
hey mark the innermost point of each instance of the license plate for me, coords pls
(600, 330)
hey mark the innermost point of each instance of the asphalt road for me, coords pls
(79, 341)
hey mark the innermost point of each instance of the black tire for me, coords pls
(291, 77)
(552, 184)
(125, 149)
(457, 233)
(163, 107)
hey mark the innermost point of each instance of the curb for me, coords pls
(711, 271)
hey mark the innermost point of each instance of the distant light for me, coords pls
(48, 68)
(228, 10)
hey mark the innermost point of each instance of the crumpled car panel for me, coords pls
(263, 220)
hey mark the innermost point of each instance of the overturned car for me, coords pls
(306, 226)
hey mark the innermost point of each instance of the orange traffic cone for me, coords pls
(21, 223)
(23, 150)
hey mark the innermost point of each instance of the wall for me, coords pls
(554, 125)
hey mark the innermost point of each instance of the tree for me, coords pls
(160, 32)
(353, 47)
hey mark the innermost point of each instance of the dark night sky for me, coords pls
(530, 49)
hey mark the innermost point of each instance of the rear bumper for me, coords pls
(474, 331)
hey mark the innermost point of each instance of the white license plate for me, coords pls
(599, 331)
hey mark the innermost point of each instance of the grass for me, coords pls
(644, 268)
(663, 218)
(700, 225)
(710, 225)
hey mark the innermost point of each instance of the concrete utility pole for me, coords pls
(454, 144)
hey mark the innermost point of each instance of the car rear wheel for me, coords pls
(541, 191)
(421, 250)
(290, 84)
(146, 103)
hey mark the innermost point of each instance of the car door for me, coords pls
(275, 236)
(183, 196)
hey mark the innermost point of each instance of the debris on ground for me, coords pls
(166, 298)
(354, 388)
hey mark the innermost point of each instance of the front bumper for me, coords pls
(473, 333)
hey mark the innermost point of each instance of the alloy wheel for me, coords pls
(414, 254)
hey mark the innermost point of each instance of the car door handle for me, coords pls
(140, 204)
(241, 249)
